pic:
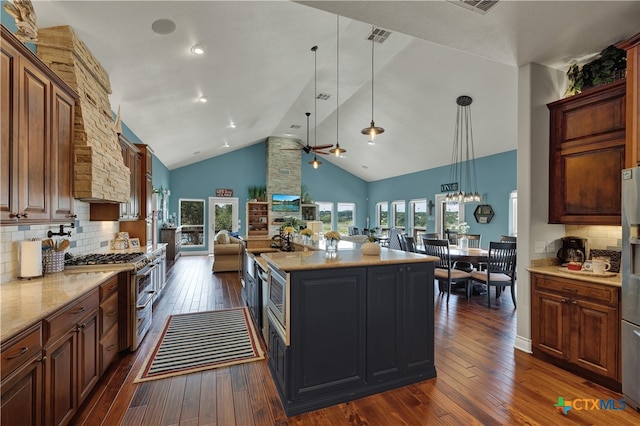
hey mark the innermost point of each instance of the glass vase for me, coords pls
(463, 243)
(331, 249)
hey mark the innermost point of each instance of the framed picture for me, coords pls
(134, 242)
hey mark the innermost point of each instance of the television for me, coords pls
(285, 203)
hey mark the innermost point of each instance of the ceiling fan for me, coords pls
(318, 149)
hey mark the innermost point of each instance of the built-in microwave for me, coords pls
(279, 290)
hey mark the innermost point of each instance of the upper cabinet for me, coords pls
(632, 46)
(586, 155)
(36, 109)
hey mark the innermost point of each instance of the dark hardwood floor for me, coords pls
(481, 379)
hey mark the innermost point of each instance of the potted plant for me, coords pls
(609, 66)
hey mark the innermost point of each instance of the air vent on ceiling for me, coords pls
(479, 6)
(295, 126)
(323, 96)
(378, 35)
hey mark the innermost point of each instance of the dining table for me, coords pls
(476, 256)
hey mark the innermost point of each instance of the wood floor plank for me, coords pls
(481, 378)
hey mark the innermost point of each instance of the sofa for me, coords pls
(226, 252)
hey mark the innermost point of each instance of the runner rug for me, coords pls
(202, 341)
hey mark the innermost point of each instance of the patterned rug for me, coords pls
(202, 341)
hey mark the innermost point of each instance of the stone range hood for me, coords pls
(100, 174)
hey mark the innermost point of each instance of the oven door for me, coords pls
(142, 305)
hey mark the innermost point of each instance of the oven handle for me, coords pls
(144, 304)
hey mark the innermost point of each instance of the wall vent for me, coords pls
(478, 6)
(378, 35)
(323, 96)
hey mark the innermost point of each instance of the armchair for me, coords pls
(226, 252)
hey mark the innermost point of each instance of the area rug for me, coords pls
(202, 341)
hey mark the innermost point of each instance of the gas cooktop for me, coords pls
(137, 260)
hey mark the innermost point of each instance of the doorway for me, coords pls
(223, 214)
(447, 215)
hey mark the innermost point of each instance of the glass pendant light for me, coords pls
(372, 131)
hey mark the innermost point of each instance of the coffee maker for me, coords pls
(574, 249)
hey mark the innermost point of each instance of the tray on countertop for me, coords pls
(588, 273)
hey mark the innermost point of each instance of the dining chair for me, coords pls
(452, 236)
(508, 238)
(402, 241)
(474, 239)
(410, 244)
(444, 273)
(501, 268)
(356, 231)
(431, 235)
(394, 241)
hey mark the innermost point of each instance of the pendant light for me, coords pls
(337, 150)
(372, 130)
(463, 162)
(315, 163)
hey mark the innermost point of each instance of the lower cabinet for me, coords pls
(71, 358)
(577, 325)
(354, 332)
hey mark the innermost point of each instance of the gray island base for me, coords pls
(357, 325)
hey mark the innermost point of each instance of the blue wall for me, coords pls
(496, 178)
(8, 21)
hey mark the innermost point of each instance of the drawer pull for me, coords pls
(110, 348)
(81, 310)
(110, 314)
(575, 302)
(570, 290)
(563, 300)
(22, 352)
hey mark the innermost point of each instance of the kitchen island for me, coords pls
(347, 327)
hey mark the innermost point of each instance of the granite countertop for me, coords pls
(315, 259)
(25, 302)
(558, 271)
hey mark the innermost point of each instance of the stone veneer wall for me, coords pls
(99, 170)
(86, 237)
(284, 175)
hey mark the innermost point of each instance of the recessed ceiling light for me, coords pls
(196, 152)
(232, 125)
(365, 167)
(198, 49)
(202, 99)
(226, 145)
(163, 26)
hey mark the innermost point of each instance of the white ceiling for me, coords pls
(258, 71)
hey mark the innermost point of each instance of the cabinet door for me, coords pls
(88, 362)
(594, 337)
(418, 319)
(62, 157)
(384, 323)
(125, 207)
(60, 380)
(8, 132)
(278, 359)
(33, 154)
(550, 319)
(134, 197)
(22, 395)
(328, 325)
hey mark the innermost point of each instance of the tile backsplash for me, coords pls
(86, 237)
(600, 237)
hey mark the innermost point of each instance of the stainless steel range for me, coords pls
(140, 293)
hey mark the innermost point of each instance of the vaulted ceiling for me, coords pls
(258, 71)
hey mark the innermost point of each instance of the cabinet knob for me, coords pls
(575, 302)
(563, 300)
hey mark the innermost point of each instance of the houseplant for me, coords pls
(609, 66)
(370, 248)
(331, 244)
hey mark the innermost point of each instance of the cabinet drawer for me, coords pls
(65, 319)
(108, 313)
(108, 348)
(586, 291)
(20, 349)
(108, 287)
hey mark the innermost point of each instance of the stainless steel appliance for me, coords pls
(574, 249)
(630, 334)
(141, 291)
(278, 303)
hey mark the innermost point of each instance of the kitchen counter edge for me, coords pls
(555, 271)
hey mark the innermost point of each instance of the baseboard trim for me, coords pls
(523, 344)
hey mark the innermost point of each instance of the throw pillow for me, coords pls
(222, 237)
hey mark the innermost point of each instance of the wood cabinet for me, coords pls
(257, 218)
(632, 46)
(22, 373)
(355, 331)
(576, 325)
(133, 160)
(38, 109)
(172, 237)
(71, 351)
(309, 212)
(586, 155)
(108, 323)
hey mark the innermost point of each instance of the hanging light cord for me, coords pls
(372, 38)
(315, 96)
(337, 75)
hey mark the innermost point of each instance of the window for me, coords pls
(192, 221)
(448, 215)
(418, 210)
(346, 214)
(399, 214)
(513, 213)
(382, 214)
(325, 215)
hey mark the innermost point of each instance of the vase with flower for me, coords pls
(463, 241)
(306, 235)
(332, 239)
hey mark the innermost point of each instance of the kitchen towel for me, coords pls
(30, 259)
